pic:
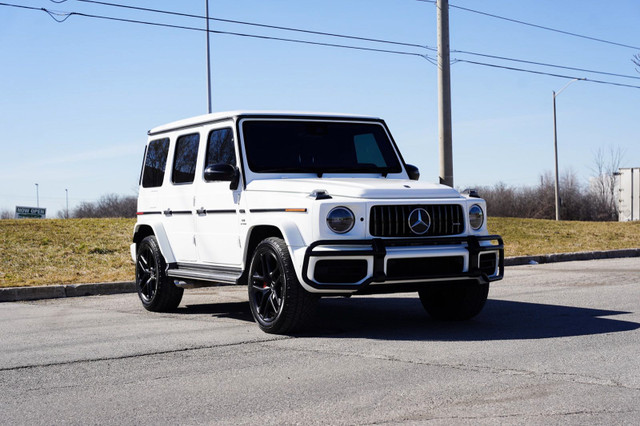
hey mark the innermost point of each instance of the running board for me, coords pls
(204, 273)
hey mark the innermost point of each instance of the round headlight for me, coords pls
(340, 220)
(476, 217)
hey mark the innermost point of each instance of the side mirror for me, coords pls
(470, 192)
(223, 172)
(412, 171)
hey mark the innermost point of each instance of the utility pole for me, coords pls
(208, 62)
(555, 144)
(444, 95)
(555, 150)
(37, 196)
(66, 192)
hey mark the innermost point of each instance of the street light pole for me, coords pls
(37, 196)
(555, 145)
(66, 192)
(208, 62)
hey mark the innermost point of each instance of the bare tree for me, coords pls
(574, 200)
(595, 202)
(603, 185)
(6, 214)
(110, 205)
(538, 202)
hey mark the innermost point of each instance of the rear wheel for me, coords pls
(278, 302)
(454, 301)
(156, 291)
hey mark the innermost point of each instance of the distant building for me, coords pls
(629, 190)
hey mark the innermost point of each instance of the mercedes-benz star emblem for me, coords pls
(419, 221)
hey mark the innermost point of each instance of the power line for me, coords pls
(546, 73)
(255, 24)
(66, 15)
(542, 27)
(503, 58)
(343, 36)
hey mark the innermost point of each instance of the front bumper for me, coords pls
(407, 261)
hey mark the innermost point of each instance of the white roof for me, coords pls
(218, 116)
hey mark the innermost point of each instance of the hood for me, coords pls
(374, 188)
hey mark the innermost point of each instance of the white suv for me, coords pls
(298, 206)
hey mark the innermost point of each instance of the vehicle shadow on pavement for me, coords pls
(405, 319)
(234, 310)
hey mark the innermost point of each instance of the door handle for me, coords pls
(167, 212)
(201, 211)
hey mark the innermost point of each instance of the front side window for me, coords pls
(155, 163)
(220, 148)
(184, 162)
(281, 146)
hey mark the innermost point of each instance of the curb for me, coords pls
(569, 257)
(17, 294)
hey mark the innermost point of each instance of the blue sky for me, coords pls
(78, 97)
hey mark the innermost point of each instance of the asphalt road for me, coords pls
(556, 343)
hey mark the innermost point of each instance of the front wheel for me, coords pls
(454, 301)
(278, 302)
(156, 291)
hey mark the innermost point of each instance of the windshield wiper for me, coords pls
(360, 168)
(320, 171)
(284, 170)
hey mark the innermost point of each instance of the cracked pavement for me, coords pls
(556, 343)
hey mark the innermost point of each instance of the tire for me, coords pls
(278, 302)
(156, 291)
(454, 301)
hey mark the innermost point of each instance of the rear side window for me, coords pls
(184, 160)
(220, 148)
(144, 156)
(155, 163)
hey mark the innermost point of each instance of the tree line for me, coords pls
(110, 205)
(577, 201)
(594, 201)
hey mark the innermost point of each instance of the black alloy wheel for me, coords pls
(278, 302)
(146, 274)
(156, 291)
(267, 286)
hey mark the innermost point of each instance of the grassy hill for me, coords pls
(58, 251)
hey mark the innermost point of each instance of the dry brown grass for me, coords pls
(537, 236)
(58, 251)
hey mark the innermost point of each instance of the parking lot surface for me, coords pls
(556, 343)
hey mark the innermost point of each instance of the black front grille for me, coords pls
(393, 221)
(424, 267)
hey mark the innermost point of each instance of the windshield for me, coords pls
(289, 146)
